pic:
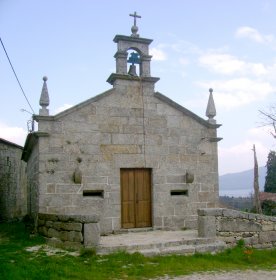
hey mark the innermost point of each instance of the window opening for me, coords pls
(179, 192)
(93, 193)
(134, 60)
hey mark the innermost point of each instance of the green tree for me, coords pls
(270, 178)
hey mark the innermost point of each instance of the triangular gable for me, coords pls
(76, 107)
(158, 95)
(185, 111)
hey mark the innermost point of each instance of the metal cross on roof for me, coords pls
(135, 16)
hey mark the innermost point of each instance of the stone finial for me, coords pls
(211, 109)
(134, 28)
(44, 99)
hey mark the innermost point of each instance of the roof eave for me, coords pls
(11, 143)
(31, 141)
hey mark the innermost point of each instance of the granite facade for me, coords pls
(129, 126)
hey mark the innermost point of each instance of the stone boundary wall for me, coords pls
(70, 230)
(229, 225)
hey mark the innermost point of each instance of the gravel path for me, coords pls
(233, 275)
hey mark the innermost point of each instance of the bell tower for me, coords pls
(132, 51)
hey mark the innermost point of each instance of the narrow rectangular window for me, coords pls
(179, 192)
(93, 193)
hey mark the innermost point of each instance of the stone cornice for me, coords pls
(118, 38)
(113, 77)
(43, 118)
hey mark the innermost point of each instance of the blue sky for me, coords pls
(227, 45)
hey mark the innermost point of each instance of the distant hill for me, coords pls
(240, 184)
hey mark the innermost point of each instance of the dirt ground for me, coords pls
(233, 275)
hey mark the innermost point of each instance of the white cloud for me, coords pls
(13, 133)
(158, 54)
(240, 157)
(263, 134)
(228, 65)
(238, 92)
(258, 69)
(221, 63)
(254, 35)
(185, 47)
(62, 108)
(260, 133)
(271, 72)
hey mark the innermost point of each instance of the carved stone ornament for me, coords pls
(189, 177)
(77, 175)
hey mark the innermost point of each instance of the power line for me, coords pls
(16, 75)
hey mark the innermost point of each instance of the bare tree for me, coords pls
(256, 184)
(269, 118)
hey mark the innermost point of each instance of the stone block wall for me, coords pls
(13, 182)
(71, 231)
(129, 126)
(230, 225)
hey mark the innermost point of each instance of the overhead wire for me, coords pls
(16, 76)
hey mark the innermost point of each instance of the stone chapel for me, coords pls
(130, 155)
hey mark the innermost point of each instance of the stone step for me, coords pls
(184, 249)
(189, 246)
(133, 230)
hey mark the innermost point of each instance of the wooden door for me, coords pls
(136, 198)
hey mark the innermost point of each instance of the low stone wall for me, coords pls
(70, 230)
(256, 230)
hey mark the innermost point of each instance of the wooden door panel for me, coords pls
(128, 215)
(136, 197)
(128, 199)
(143, 199)
(143, 218)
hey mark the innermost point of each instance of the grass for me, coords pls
(18, 263)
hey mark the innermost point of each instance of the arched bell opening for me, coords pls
(133, 63)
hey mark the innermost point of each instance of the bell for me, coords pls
(132, 70)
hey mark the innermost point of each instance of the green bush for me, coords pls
(269, 207)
